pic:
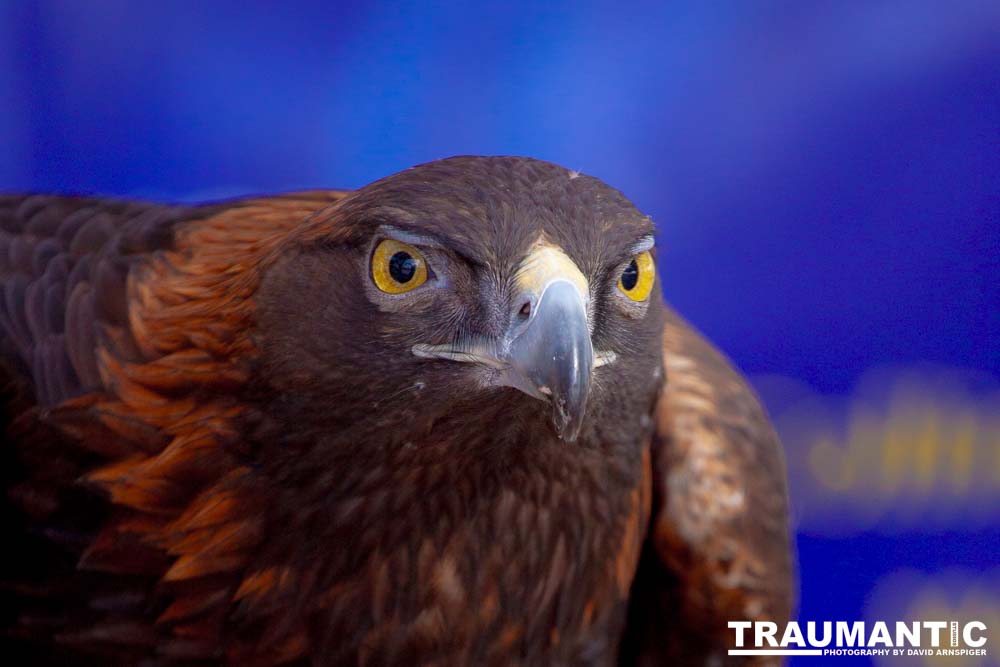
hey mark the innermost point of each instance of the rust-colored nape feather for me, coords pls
(171, 350)
(191, 312)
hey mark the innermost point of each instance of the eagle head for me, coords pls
(474, 295)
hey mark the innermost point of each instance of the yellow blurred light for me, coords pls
(919, 455)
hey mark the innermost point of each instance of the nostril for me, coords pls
(525, 311)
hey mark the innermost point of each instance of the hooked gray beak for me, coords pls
(551, 357)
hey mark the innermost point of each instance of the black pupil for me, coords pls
(630, 276)
(402, 267)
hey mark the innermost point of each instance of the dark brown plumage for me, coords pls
(228, 442)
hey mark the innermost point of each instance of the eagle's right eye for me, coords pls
(398, 267)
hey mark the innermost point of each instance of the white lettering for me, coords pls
(792, 635)
(854, 637)
(766, 630)
(910, 632)
(935, 627)
(967, 634)
(880, 635)
(739, 626)
(827, 633)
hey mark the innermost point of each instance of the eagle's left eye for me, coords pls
(636, 280)
(398, 267)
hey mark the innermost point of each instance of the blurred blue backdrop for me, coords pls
(825, 178)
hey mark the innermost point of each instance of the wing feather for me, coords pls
(718, 547)
(124, 335)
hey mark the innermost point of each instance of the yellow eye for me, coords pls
(636, 281)
(398, 267)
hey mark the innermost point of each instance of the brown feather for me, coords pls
(719, 542)
(150, 419)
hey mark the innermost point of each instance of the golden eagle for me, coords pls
(443, 419)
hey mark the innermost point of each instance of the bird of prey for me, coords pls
(444, 419)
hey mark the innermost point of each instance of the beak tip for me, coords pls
(567, 420)
(568, 435)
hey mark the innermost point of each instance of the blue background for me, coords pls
(825, 178)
